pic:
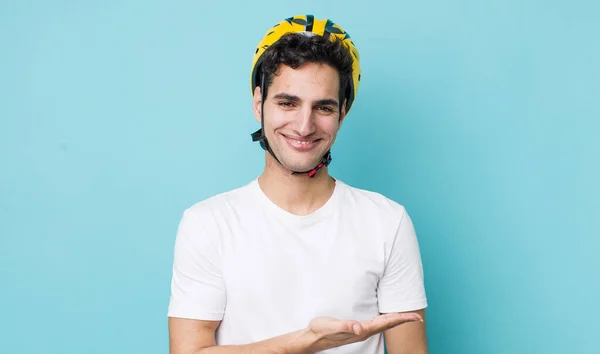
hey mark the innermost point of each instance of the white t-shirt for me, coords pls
(264, 272)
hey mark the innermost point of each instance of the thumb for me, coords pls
(354, 327)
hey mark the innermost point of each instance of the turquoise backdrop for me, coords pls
(481, 117)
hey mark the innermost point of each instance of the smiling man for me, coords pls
(297, 261)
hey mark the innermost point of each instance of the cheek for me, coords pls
(275, 119)
(329, 126)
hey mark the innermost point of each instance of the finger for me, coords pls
(399, 317)
(389, 320)
(404, 316)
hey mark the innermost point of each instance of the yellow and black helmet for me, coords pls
(302, 24)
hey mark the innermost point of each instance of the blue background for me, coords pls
(481, 117)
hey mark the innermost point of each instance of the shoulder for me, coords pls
(371, 203)
(219, 208)
(233, 197)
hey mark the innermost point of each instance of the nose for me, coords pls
(306, 122)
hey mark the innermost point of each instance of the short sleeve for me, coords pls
(401, 287)
(197, 287)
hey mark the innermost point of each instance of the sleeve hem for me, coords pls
(195, 315)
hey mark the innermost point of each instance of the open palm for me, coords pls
(332, 332)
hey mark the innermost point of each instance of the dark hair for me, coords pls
(294, 49)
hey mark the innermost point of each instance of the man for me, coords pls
(297, 261)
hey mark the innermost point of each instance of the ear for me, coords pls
(343, 113)
(257, 102)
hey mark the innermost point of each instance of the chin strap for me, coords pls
(262, 139)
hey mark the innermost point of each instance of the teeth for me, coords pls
(302, 142)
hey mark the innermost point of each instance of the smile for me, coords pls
(301, 144)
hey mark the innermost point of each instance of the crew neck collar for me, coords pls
(300, 220)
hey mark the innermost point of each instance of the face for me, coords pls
(301, 114)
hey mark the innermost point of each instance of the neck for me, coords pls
(297, 194)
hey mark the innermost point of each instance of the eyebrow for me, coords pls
(293, 98)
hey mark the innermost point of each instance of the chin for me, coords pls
(300, 166)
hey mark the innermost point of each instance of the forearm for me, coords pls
(410, 338)
(298, 342)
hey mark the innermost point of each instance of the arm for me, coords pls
(198, 337)
(402, 289)
(410, 338)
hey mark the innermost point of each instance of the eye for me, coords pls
(325, 109)
(285, 104)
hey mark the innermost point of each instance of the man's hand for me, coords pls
(328, 332)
